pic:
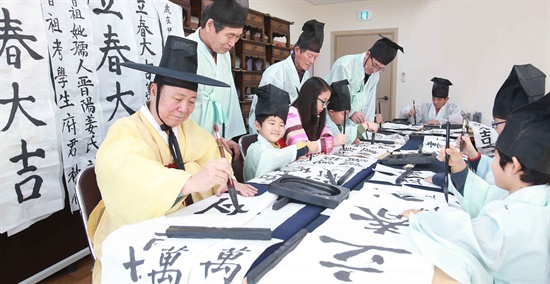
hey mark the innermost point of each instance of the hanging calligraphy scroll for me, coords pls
(63, 86)
(30, 186)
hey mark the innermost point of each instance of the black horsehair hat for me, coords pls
(524, 85)
(178, 65)
(384, 50)
(340, 98)
(272, 101)
(312, 36)
(440, 88)
(526, 135)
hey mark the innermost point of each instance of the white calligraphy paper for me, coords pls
(142, 253)
(366, 240)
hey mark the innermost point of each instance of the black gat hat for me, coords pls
(384, 50)
(312, 36)
(524, 85)
(272, 101)
(178, 65)
(526, 135)
(340, 98)
(440, 88)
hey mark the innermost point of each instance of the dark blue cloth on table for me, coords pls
(308, 217)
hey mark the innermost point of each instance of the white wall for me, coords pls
(474, 44)
(297, 11)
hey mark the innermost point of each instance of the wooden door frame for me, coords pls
(393, 75)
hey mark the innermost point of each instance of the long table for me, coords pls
(308, 216)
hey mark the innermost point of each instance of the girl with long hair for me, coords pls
(306, 120)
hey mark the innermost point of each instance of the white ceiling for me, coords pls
(321, 2)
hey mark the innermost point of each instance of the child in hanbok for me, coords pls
(496, 239)
(338, 112)
(266, 154)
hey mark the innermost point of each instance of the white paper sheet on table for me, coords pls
(388, 174)
(142, 252)
(397, 126)
(433, 144)
(366, 240)
(358, 156)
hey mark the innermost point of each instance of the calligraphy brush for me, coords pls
(344, 129)
(446, 180)
(380, 112)
(230, 186)
(414, 107)
(464, 131)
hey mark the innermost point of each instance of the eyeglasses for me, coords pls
(375, 66)
(325, 103)
(494, 124)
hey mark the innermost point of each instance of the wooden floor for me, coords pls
(78, 273)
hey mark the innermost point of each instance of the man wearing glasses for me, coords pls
(221, 27)
(290, 74)
(362, 72)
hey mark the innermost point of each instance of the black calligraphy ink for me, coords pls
(344, 275)
(118, 97)
(64, 100)
(9, 32)
(57, 48)
(111, 43)
(73, 174)
(485, 134)
(218, 205)
(80, 48)
(72, 147)
(69, 123)
(132, 264)
(225, 266)
(61, 76)
(143, 29)
(151, 242)
(81, 66)
(53, 24)
(407, 197)
(78, 31)
(167, 260)
(24, 158)
(91, 143)
(16, 105)
(76, 14)
(380, 223)
(107, 10)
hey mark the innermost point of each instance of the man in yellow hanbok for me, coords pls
(157, 160)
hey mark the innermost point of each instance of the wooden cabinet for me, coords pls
(276, 27)
(255, 49)
(245, 80)
(277, 53)
(254, 25)
(250, 53)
